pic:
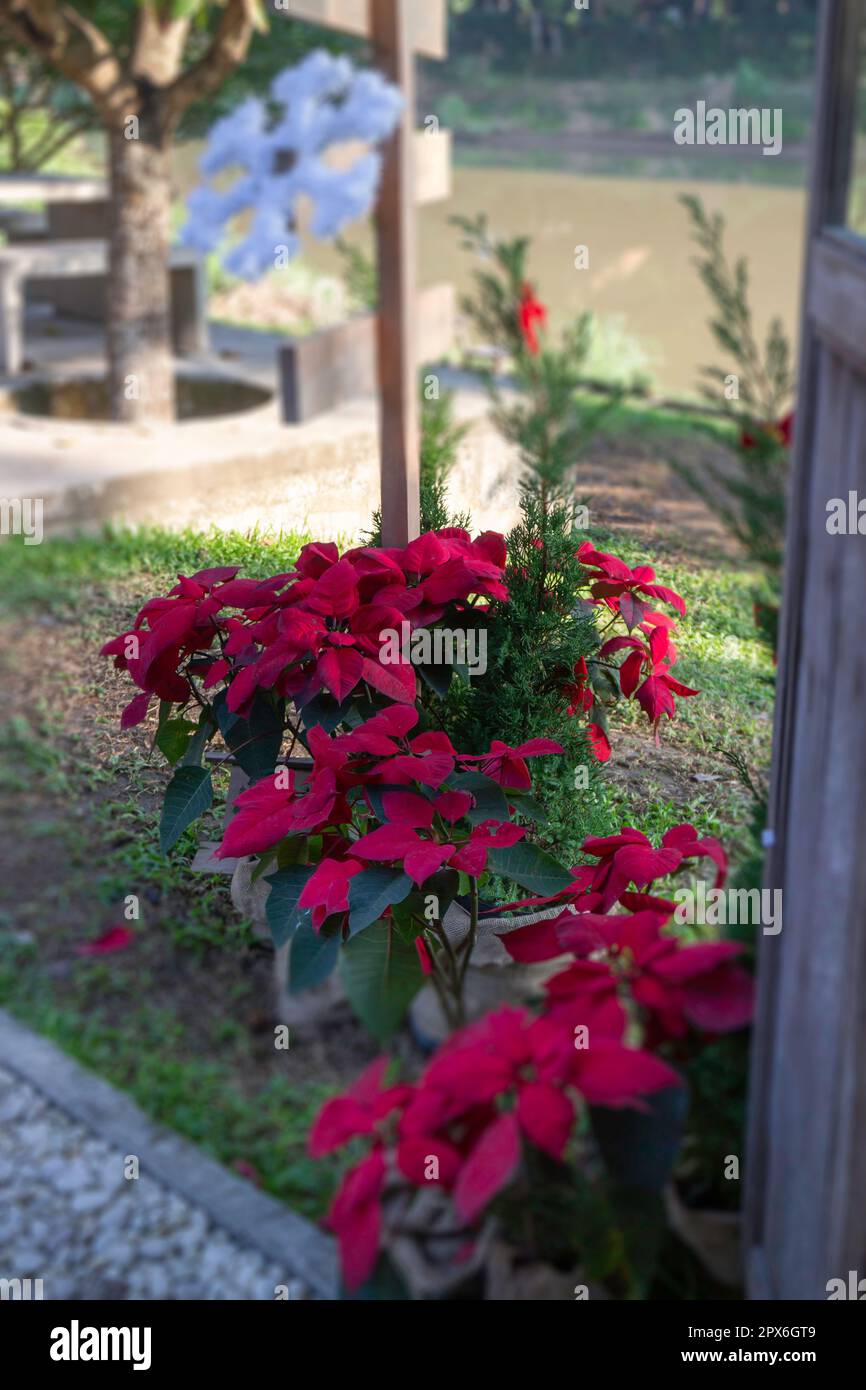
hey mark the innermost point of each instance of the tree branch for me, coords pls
(157, 46)
(46, 148)
(226, 51)
(75, 47)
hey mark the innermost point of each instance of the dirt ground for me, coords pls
(631, 491)
(73, 819)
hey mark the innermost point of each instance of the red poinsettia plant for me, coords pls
(612, 1021)
(367, 844)
(367, 841)
(317, 628)
(257, 662)
(502, 1084)
(645, 673)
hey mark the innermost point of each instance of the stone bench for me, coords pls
(17, 190)
(84, 266)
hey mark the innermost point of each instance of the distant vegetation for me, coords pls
(637, 37)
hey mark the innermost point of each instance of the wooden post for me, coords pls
(397, 259)
(805, 1219)
(398, 29)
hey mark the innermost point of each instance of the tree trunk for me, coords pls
(140, 95)
(138, 312)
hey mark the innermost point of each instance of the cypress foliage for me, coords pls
(752, 500)
(533, 644)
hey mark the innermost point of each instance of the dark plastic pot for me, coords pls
(640, 1147)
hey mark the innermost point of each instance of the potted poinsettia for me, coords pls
(286, 663)
(684, 996)
(459, 1161)
(305, 661)
(473, 1180)
(362, 854)
(260, 662)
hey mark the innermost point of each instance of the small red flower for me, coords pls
(782, 432)
(247, 1170)
(613, 579)
(645, 673)
(532, 314)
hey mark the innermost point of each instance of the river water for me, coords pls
(652, 311)
(641, 282)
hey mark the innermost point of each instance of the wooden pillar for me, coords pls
(397, 259)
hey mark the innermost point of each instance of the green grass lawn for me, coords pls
(178, 1019)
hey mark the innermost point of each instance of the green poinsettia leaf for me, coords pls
(313, 956)
(531, 867)
(188, 795)
(371, 892)
(381, 974)
(284, 915)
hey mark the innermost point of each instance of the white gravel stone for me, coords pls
(12, 1106)
(69, 1217)
(88, 1200)
(73, 1175)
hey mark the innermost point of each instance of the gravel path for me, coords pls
(70, 1217)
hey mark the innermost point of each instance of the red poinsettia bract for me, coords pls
(418, 829)
(645, 674)
(317, 628)
(497, 1085)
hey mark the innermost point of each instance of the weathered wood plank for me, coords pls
(815, 1222)
(428, 19)
(766, 1276)
(805, 1217)
(837, 293)
(324, 369)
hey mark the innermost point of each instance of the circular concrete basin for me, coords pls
(86, 398)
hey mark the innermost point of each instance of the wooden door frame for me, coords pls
(826, 244)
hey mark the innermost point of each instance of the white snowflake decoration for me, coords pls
(279, 146)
